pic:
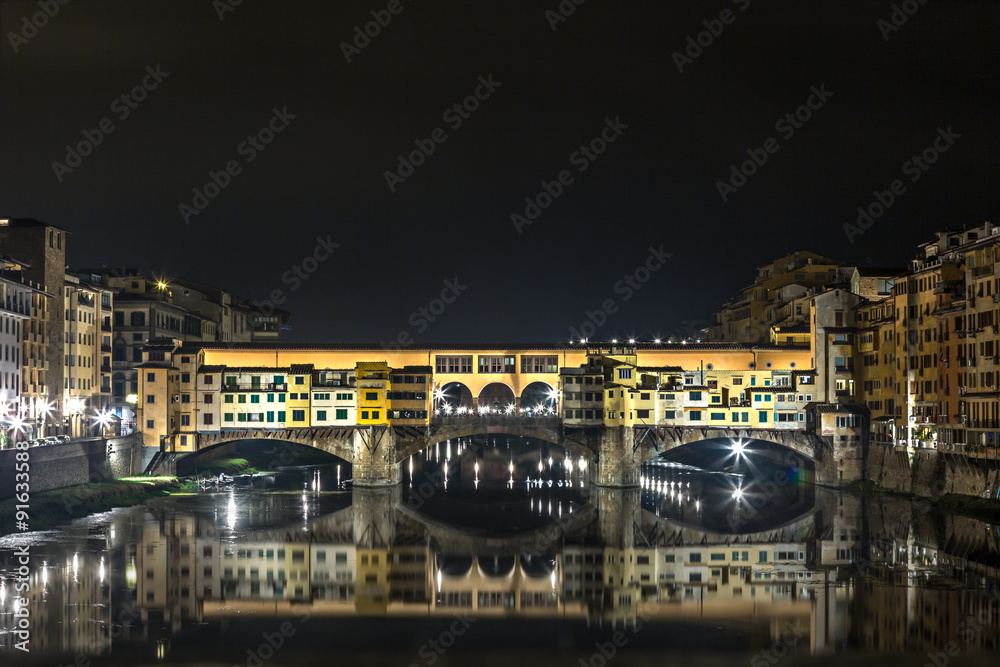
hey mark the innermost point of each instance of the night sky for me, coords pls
(611, 67)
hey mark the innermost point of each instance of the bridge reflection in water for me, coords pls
(685, 546)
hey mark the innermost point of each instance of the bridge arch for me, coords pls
(496, 395)
(454, 394)
(537, 393)
(793, 449)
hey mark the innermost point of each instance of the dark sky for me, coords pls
(323, 175)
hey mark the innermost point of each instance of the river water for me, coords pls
(492, 549)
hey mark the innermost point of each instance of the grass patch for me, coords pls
(229, 465)
(50, 507)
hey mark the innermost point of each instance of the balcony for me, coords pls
(255, 386)
(981, 271)
(333, 383)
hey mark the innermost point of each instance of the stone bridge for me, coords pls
(614, 454)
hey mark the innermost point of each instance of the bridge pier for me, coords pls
(618, 511)
(374, 462)
(375, 516)
(619, 459)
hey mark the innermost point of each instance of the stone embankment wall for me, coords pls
(57, 466)
(932, 473)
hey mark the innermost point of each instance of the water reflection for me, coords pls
(847, 572)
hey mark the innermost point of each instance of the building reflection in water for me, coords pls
(844, 571)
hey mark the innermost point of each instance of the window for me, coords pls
(149, 424)
(341, 414)
(642, 414)
(209, 398)
(624, 373)
(228, 398)
(696, 415)
(207, 420)
(255, 398)
(539, 364)
(497, 364)
(300, 380)
(375, 414)
(185, 420)
(371, 395)
(185, 398)
(242, 398)
(717, 416)
(762, 417)
(364, 414)
(150, 398)
(281, 416)
(321, 415)
(669, 414)
(695, 396)
(453, 364)
(298, 415)
(227, 417)
(694, 557)
(150, 377)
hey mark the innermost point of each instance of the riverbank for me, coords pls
(973, 507)
(50, 507)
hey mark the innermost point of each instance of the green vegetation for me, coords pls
(229, 465)
(50, 507)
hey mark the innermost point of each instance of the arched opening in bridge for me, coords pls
(454, 395)
(496, 396)
(539, 395)
(238, 457)
(729, 485)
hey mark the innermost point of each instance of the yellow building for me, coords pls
(373, 393)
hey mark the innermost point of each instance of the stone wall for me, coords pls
(931, 474)
(57, 466)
